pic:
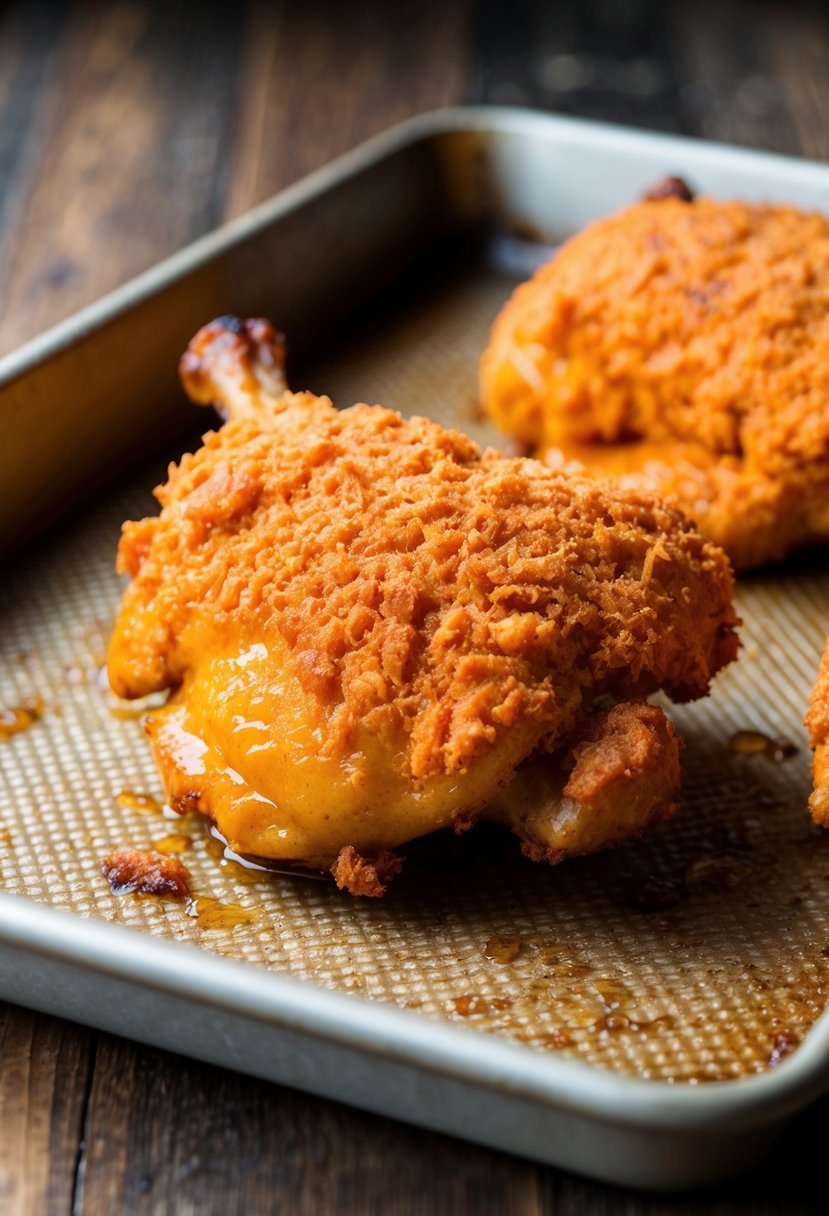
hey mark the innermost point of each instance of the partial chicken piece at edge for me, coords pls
(817, 722)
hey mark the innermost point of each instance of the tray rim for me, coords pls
(478, 1057)
(486, 1060)
(421, 128)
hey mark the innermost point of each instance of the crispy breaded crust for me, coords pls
(696, 334)
(619, 775)
(617, 746)
(365, 876)
(413, 577)
(149, 873)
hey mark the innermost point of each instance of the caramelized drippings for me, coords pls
(469, 1004)
(130, 800)
(213, 914)
(755, 743)
(612, 992)
(173, 844)
(554, 1039)
(141, 872)
(20, 717)
(564, 969)
(503, 947)
(614, 1021)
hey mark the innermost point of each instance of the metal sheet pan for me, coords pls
(544, 1012)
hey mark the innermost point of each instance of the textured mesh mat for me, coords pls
(699, 953)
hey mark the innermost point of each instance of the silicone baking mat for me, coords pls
(700, 953)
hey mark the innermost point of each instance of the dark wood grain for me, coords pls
(172, 1135)
(128, 129)
(133, 128)
(742, 71)
(124, 157)
(336, 82)
(44, 1074)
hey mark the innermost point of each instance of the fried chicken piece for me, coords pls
(817, 722)
(368, 624)
(620, 776)
(682, 347)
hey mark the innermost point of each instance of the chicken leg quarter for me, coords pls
(372, 630)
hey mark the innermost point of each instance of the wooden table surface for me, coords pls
(126, 130)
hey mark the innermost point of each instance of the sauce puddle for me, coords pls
(213, 914)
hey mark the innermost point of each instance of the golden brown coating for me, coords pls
(817, 721)
(620, 775)
(149, 873)
(368, 623)
(365, 876)
(683, 347)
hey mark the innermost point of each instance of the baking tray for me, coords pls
(650, 1016)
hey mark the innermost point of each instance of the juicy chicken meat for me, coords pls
(372, 630)
(682, 347)
(817, 721)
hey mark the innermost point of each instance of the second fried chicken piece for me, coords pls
(368, 624)
(683, 348)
